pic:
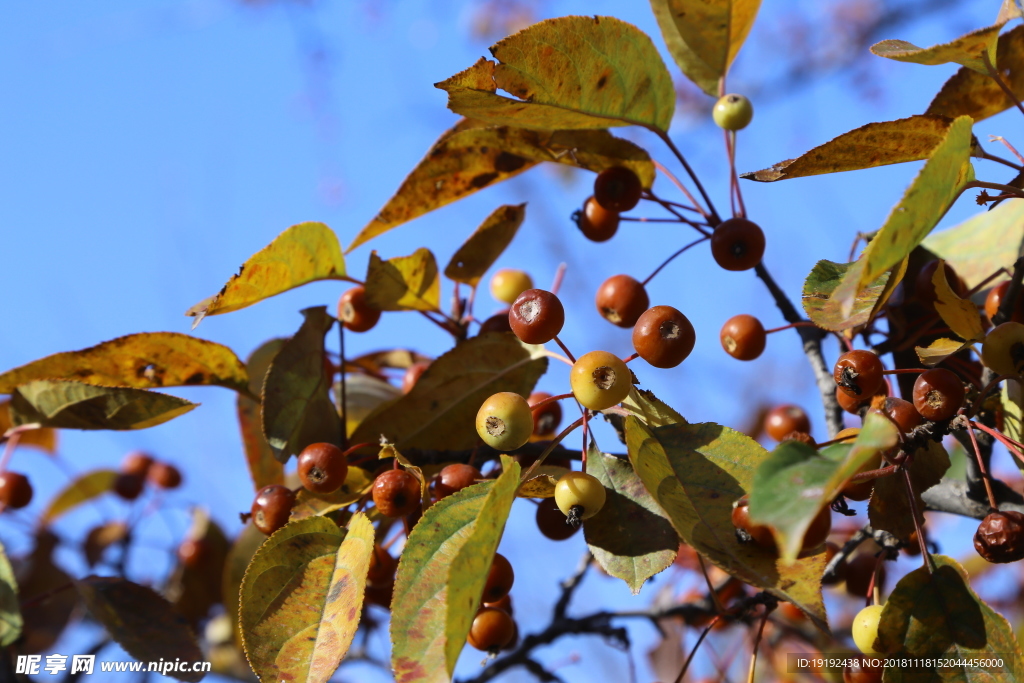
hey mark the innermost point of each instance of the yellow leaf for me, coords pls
(704, 36)
(1013, 412)
(570, 72)
(263, 466)
(968, 50)
(485, 245)
(303, 253)
(975, 94)
(961, 315)
(83, 488)
(541, 486)
(939, 350)
(404, 283)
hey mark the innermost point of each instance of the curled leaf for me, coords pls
(969, 50)
(404, 283)
(961, 315)
(485, 245)
(72, 405)
(975, 94)
(263, 466)
(939, 350)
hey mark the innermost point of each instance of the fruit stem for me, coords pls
(550, 399)
(649, 220)
(802, 323)
(926, 557)
(556, 284)
(13, 437)
(566, 350)
(547, 451)
(344, 397)
(1010, 444)
(868, 475)
(997, 77)
(983, 470)
(558, 356)
(669, 259)
(682, 188)
(670, 207)
(734, 181)
(835, 441)
(1006, 143)
(714, 219)
(1000, 160)
(632, 356)
(757, 644)
(719, 609)
(700, 639)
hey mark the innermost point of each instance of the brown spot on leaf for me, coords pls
(482, 180)
(509, 163)
(196, 378)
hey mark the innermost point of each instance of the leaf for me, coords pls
(363, 395)
(441, 576)
(72, 405)
(82, 489)
(704, 36)
(46, 621)
(568, 73)
(193, 590)
(302, 596)
(937, 615)
(795, 483)
(242, 550)
(143, 361)
(889, 508)
(825, 311)
(102, 537)
(1013, 412)
(969, 93)
(961, 315)
(473, 155)
(653, 412)
(939, 350)
(982, 244)
(10, 609)
(440, 411)
(376, 362)
(141, 622)
(631, 538)
(43, 438)
(931, 194)
(404, 283)
(485, 245)
(695, 472)
(876, 144)
(259, 456)
(967, 50)
(303, 253)
(358, 482)
(538, 486)
(297, 408)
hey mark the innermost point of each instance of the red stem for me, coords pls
(556, 284)
(984, 472)
(565, 349)
(802, 323)
(669, 259)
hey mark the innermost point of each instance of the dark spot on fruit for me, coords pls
(482, 180)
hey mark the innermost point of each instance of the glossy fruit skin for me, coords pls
(781, 420)
(15, 490)
(819, 529)
(396, 493)
(1000, 537)
(802, 437)
(504, 604)
(322, 467)
(854, 404)
(546, 418)
(858, 373)
(860, 671)
(732, 112)
(737, 244)
(354, 312)
(865, 628)
(455, 478)
(137, 462)
(499, 579)
(743, 337)
(508, 283)
(193, 552)
(496, 323)
(272, 507)
(859, 570)
(536, 316)
(938, 394)
(621, 300)
(663, 337)
(505, 421)
(995, 298)
(597, 223)
(903, 413)
(1003, 349)
(579, 495)
(492, 630)
(600, 380)
(924, 290)
(617, 189)
(413, 374)
(164, 475)
(762, 534)
(552, 522)
(129, 486)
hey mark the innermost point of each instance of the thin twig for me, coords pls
(713, 219)
(998, 78)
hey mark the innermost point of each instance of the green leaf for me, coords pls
(259, 456)
(473, 155)
(440, 411)
(826, 312)
(143, 361)
(485, 245)
(10, 609)
(695, 472)
(303, 253)
(297, 408)
(704, 36)
(795, 483)
(441, 576)
(193, 590)
(301, 598)
(968, 50)
(653, 412)
(961, 315)
(73, 405)
(142, 622)
(937, 615)
(244, 547)
(631, 538)
(568, 73)
(982, 244)
(404, 283)
(876, 144)
(83, 488)
(969, 93)
(926, 201)
(889, 508)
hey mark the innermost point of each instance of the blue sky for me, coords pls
(147, 149)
